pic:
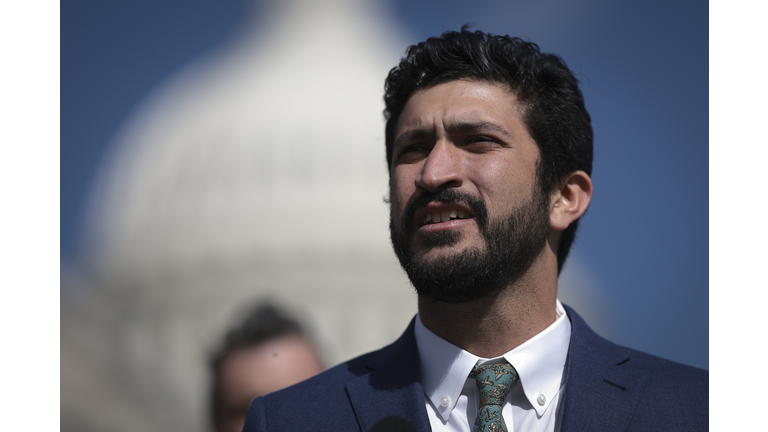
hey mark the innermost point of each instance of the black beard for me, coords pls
(512, 245)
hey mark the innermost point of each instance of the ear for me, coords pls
(570, 201)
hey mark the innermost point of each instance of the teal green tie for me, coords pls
(493, 382)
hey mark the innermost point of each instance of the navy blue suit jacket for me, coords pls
(608, 388)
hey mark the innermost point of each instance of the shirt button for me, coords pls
(541, 399)
(445, 401)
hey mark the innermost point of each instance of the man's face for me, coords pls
(255, 371)
(467, 217)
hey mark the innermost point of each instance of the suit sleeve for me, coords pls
(256, 420)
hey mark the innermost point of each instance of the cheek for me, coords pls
(505, 186)
(400, 191)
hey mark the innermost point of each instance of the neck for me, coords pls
(492, 326)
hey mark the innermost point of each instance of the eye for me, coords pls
(481, 143)
(411, 153)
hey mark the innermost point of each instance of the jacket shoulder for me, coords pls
(667, 371)
(674, 394)
(649, 392)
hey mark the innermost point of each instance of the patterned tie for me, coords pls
(494, 382)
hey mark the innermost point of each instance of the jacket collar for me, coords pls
(601, 393)
(393, 387)
(602, 388)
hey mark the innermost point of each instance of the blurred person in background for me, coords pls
(268, 351)
(489, 147)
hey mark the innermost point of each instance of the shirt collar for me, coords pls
(540, 363)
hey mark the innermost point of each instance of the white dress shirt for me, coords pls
(531, 405)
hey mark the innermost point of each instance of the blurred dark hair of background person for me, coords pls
(268, 351)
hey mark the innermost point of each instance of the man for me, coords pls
(490, 153)
(268, 351)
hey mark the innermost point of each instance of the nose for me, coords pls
(441, 169)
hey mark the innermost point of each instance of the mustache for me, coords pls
(445, 196)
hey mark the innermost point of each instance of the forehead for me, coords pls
(272, 365)
(457, 102)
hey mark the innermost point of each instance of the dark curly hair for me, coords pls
(554, 111)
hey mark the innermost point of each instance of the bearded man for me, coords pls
(489, 148)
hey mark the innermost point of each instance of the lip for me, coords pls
(438, 207)
(451, 224)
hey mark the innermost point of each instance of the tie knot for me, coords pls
(494, 381)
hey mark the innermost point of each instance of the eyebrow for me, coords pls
(414, 134)
(422, 133)
(477, 127)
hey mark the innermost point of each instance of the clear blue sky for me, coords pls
(644, 72)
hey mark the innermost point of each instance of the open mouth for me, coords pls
(445, 216)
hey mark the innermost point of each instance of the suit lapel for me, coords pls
(602, 389)
(393, 387)
(601, 392)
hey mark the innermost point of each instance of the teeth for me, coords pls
(445, 216)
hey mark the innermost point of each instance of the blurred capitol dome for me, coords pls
(259, 172)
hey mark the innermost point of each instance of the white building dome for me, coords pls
(260, 172)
